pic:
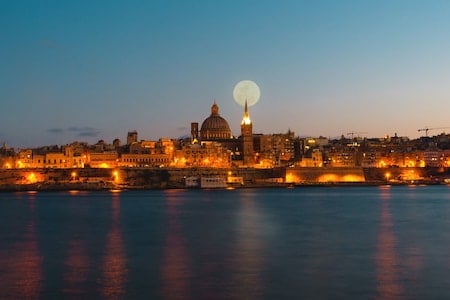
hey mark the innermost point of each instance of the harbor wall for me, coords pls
(324, 175)
(161, 178)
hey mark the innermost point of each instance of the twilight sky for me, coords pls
(88, 70)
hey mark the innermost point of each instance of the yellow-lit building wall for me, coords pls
(210, 155)
(108, 159)
(144, 160)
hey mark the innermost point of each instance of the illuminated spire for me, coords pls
(246, 119)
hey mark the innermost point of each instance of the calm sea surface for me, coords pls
(303, 243)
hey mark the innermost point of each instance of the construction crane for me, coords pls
(426, 129)
(353, 133)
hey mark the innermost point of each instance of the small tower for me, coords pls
(132, 137)
(194, 133)
(247, 138)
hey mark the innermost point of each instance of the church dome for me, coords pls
(215, 127)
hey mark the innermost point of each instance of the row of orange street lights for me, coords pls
(33, 178)
(115, 175)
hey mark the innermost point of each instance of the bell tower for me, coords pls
(247, 138)
(194, 133)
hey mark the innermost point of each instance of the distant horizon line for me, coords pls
(4, 144)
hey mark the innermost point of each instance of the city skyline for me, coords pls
(88, 71)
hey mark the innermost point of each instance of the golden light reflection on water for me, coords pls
(77, 265)
(386, 258)
(248, 261)
(114, 265)
(175, 270)
(21, 267)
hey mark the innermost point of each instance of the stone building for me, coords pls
(248, 157)
(144, 160)
(215, 127)
(206, 154)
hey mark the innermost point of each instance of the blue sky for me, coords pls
(90, 70)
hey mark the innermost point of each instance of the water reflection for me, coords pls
(77, 263)
(114, 268)
(248, 260)
(175, 269)
(386, 260)
(22, 264)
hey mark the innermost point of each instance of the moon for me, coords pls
(246, 90)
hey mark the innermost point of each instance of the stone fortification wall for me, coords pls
(23, 176)
(406, 175)
(176, 177)
(145, 178)
(161, 178)
(324, 175)
(56, 179)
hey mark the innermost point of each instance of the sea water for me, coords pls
(387, 242)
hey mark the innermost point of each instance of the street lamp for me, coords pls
(387, 175)
(116, 176)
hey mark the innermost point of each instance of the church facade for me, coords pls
(215, 133)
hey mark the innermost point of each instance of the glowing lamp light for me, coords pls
(31, 178)
(387, 175)
(246, 121)
(291, 178)
(116, 175)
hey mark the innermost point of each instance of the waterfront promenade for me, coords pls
(175, 178)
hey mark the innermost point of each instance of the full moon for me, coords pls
(246, 90)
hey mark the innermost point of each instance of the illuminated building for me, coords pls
(25, 159)
(166, 146)
(215, 127)
(6, 157)
(206, 154)
(278, 149)
(315, 159)
(69, 156)
(144, 160)
(194, 133)
(105, 159)
(146, 154)
(436, 158)
(247, 139)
